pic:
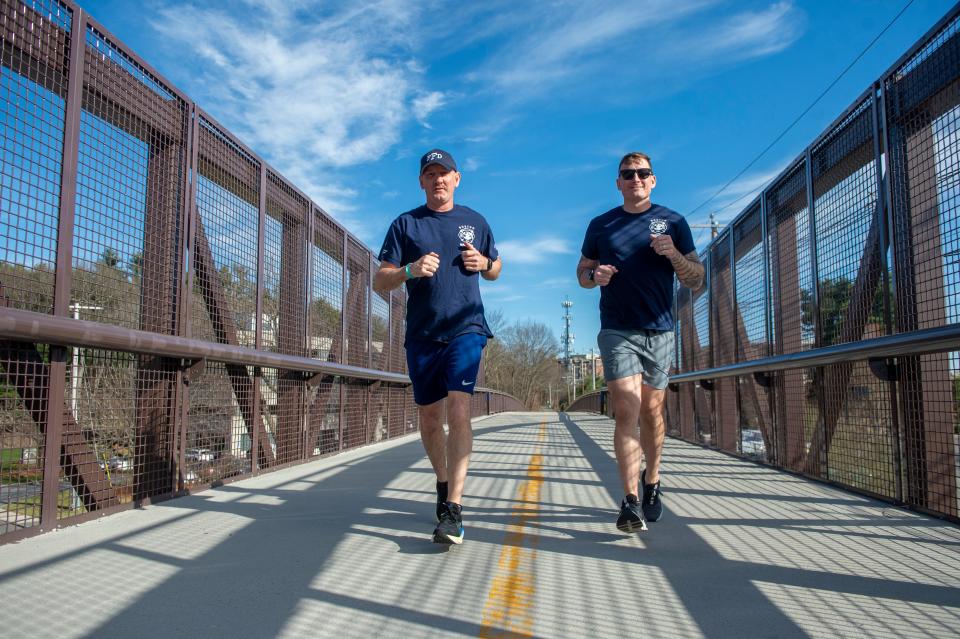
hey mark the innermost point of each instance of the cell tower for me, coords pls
(567, 335)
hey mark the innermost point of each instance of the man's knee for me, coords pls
(458, 410)
(651, 408)
(431, 416)
(625, 396)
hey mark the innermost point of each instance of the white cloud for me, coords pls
(754, 34)
(311, 87)
(532, 251)
(426, 104)
(561, 43)
(551, 45)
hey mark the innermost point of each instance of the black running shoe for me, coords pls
(450, 528)
(441, 498)
(631, 519)
(652, 508)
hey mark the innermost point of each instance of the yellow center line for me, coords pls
(508, 611)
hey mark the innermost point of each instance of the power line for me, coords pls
(805, 111)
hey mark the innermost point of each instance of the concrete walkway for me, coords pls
(340, 548)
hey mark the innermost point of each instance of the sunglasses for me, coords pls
(629, 174)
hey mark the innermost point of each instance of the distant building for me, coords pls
(583, 367)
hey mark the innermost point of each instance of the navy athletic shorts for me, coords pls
(436, 368)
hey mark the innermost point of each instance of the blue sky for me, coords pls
(537, 102)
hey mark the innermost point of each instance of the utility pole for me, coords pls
(75, 370)
(568, 341)
(593, 362)
(714, 226)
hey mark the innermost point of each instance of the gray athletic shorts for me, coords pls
(627, 353)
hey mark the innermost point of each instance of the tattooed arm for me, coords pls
(689, 270)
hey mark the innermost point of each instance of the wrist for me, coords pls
(489, 266)
(409, 273)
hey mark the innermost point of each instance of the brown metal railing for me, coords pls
(827, 342)
(174, 313)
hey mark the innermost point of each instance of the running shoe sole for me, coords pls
(632, 526)
(440, 538)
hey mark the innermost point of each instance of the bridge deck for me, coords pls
(340, 548)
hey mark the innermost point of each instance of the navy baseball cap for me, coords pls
(437, 156)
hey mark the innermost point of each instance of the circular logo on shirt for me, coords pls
(658, 226)
(466, 234)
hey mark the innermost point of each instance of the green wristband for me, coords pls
(406, 269)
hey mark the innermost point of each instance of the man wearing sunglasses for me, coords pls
(440, 251)
(632, 253)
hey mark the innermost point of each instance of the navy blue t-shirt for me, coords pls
(448, 304)
(640, 295)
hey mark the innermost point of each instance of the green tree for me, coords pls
(110, 257)
(835, 297)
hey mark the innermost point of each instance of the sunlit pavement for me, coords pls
(341, 548)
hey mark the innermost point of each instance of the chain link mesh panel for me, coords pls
(398, 322)
(326, 291)
(723, 314)
(218, 438)
(358, 311)
(922, 112)
(755, 434)
(356, 401)
(285, 268)
(131, 171)
(848, 214)
(225, 240)
(323, 406)
(35, 40)
(380, 331)
(26, 382)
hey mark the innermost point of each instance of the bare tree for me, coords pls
(522, 360)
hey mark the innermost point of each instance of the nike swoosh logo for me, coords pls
(466, 383)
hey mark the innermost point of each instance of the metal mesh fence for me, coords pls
(358, 304)
(218, 439)
(225, 240)
(26, 383)
(857, 240)
(105, 168)
(755, 432)
(35, 41)
(723, 323)
(326, 295)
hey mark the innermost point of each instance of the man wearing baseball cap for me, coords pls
(439, 251)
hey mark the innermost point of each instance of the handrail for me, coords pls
(64, 331)
(930, 340)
